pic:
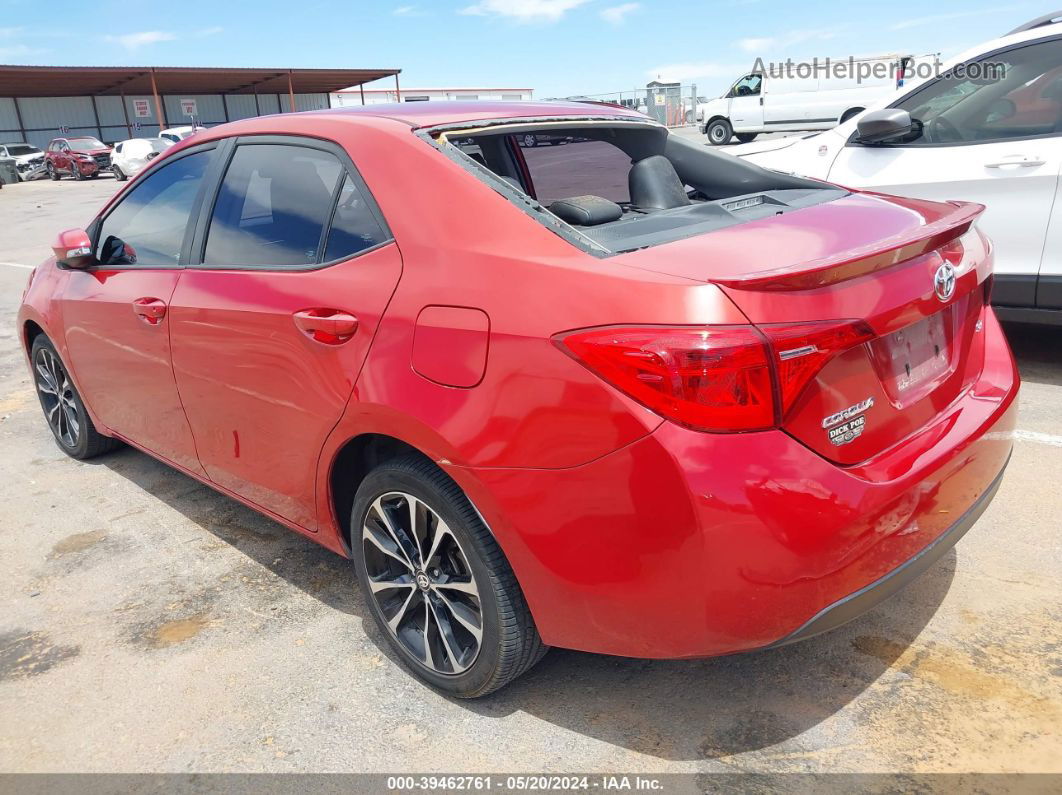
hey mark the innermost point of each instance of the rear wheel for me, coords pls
(437, 583)
(746, 137)
(719, 132)
(63, 409)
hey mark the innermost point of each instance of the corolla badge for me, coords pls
(944, 282)
(846, 425)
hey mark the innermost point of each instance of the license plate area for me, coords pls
(916, 359)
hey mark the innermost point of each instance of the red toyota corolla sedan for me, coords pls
(626, 395)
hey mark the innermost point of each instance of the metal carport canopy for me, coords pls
(74, 81)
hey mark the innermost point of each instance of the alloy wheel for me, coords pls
(57, 398)
(421, 581)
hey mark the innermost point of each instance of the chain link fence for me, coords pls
(672, 104)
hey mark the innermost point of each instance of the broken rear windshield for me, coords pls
(618, 186)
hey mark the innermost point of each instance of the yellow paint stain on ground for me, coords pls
(947, 669)
(77, 542)
(178, 631)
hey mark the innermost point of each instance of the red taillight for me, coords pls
(722, 379)
(713, 378)
(802, 349)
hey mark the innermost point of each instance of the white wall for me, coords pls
(346, 99)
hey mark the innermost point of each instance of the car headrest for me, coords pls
(586, 210)
(654, 185)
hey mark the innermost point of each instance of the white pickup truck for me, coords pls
(807, 95)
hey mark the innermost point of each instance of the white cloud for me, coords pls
(524, 10)
(408, 11)
(761, 45)
(211, 31)
(12, 53)
(134, 41)
(616, 14)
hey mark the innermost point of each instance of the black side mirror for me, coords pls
(884, 126)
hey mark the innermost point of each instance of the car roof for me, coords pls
(433, 113)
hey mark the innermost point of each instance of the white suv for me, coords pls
(178, 134)
(984, 136)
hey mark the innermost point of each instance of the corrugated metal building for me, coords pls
(373, 96)
(39, 103)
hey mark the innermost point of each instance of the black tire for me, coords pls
(746, 137)
(119, 175)
(52, 173)
(75, 172)
(509, 643)
(81, 442)
(719, 132)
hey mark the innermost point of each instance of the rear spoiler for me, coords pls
(860, 261)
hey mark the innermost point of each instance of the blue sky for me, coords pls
(557, 47)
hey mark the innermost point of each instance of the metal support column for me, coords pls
(96, 116)
(18, 118)
(291, 92)
(161, 117)
(398, 89)
(361, 88)
(125, 114)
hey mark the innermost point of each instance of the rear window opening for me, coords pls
(614, 186)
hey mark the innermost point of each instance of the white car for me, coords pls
(29, 160)
(988, 130)
(178, 134)
(782, 98)
(129, 157)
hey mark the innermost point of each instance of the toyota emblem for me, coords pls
(944, 282)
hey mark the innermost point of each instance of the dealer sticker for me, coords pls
(844, 426)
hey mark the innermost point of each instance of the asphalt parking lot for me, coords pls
(151, 624)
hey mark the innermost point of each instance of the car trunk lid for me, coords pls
(880, 300)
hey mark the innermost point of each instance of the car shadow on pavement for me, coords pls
(687, 710)
(311, 568)
(675, 710)
(1038, 350)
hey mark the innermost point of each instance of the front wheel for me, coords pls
(719, 132)
(438, 585)
(75, 172)
(119, 175)
(52, 173)
(63, 409)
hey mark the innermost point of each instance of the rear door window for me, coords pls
(272, 207)
(354, 225)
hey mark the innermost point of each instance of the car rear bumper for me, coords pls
(870, 596)
(687, 544)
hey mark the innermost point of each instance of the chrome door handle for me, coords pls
(1016, 161)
